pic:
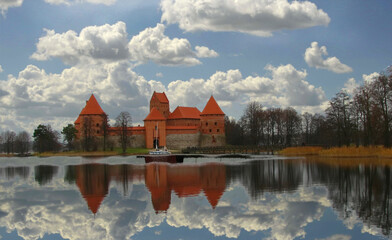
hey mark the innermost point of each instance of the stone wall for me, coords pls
(216, 140)
(136, 141)
(180, 141)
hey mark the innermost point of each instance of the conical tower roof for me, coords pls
(94, 202)
(92, 107)
(213, 196)
(212, 108)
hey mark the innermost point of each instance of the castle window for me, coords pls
(97, 131)
(97, 124)
(206, 123)
(216, 123)
(210, 130)
(217, 130)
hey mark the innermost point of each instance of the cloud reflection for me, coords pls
(100, 201)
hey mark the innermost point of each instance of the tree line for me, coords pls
(363, 117)
(46, 139)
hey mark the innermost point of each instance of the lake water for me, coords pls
(202, 198)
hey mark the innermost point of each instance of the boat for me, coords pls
(158, 151)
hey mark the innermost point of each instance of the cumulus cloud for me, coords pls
(153, 45)
(1, 69)
(350, 86)
(336, 237)
(105, 43)
(69, 2)
(109, 43)
(370, 78)
(5, 4)
(35, 97)
(286, 87)
(205, 52)
(314, 58)
(255, 17)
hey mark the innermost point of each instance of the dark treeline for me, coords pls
(361, 118)
(10, 142)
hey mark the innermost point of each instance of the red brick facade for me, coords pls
(186, 126)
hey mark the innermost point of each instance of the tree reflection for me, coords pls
(11, 172)
(45, 173)
(361, 190)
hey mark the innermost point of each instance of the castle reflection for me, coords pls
(360, 189)
(161, 180)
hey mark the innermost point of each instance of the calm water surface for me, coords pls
(264, 198)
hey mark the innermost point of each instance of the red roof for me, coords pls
(77, 120)
(92, 107)
(93, 202)
(185, 112)
(213, 196)
(212, 108)
(155, 115)
(161, 97)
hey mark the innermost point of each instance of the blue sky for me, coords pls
(55, 53)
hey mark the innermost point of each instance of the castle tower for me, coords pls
(161, 103)
(155, 127)
(91, 117)
(212, 124)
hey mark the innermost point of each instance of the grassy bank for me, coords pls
(373, 151)
(115, 152)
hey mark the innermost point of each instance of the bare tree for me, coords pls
(292, 122)
(252, 122)
(307, 123)
(338, 114)
(105, 129)
(22, 143)
(382, 94)
(234, 132)
(123, 122)
(87, 134)
(9, 141)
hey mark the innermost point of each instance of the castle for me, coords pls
(184, 127)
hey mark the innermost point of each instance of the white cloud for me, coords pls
(1, 69)
(35, 97)
(94, 43)
(314, 58)
(370, 78)
(153, 45)
(69, 2)
(286, 87)
(205, 52)
(248, 16)
(5, 4)
(350, 86)
(336, 237)
(109, 43)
